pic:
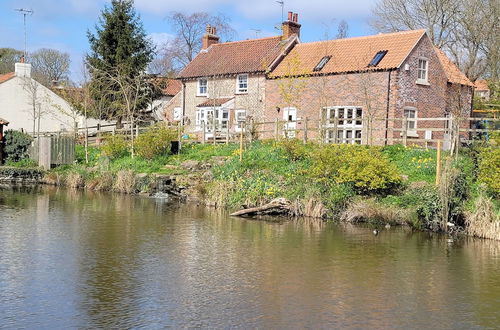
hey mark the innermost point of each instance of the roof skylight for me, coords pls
(322, 63)
(377, 58)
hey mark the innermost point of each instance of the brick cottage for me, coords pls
(393, 75)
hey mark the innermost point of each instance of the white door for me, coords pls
(290, 116)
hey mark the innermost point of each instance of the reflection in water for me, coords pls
(72, 259)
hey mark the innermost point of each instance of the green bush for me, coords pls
(16, 145)
(93, 154)
(489, 169)
(294, 149)
(155, 141)
(115, 146)
(366, 169)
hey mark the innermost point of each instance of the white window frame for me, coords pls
(349, 127)
(411, 131)
(220, 114)
(239, 84)
(177, 114)
(199, 87)
(237, 120)
(425, 71)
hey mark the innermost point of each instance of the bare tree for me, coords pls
(189, 30)
(163, 63)
(50, 66)
(342, 30)
(469, 31)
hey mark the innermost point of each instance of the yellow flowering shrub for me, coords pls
(489, 169)
(366, 169)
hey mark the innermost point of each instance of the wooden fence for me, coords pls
(451, 132)
(50, 151)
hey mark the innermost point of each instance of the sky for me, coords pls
(63, 24)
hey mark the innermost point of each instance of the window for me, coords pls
(422, 71)
(347, 122)
(322, 63)
(202, 87)
(377, 58)
(212, 119)
(242, 83)
(177, 114)
(411, 120)
(240, 116)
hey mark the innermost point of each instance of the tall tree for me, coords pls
(189, 30)
(120, 51)
(342, 30)
(469, 31)
(8, 57)
(50, 66)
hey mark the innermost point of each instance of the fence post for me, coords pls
(203, 132)
(335, 130)
(276, 129)
(438, 163)
(241, 140)
(214, 132)
(227, 132)
(136, 130)
(405, 130)
(305, 130)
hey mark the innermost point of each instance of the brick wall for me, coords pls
(253, 101)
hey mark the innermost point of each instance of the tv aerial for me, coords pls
(25, 12)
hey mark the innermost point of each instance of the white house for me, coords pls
(32, 107)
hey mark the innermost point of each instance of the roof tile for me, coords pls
(214, 102)
(453, 73)
(349, 55)
(247, 56)
(6, 76)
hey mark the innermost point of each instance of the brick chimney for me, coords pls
(210, 38)
(291, 26)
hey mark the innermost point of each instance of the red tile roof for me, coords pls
(3, 122)
(174, 86)
(248, 56)
(453, 73)
(7, 76)
(349, 55)
(214, 102)
(481, 85)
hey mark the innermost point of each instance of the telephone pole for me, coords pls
(25, 12)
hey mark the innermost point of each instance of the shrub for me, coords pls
(155, 141)
(294, 149)
(366, 169)
(16, 145)
(489, 169)
(93, 154)
(115, 146)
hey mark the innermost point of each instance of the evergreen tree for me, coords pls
(120, 52)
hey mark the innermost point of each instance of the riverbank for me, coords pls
(392, 185)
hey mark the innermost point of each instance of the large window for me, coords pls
(202, 87)
(411, 120)
(242, 83)
(177, 113)
(240, 117)
(344, 124)
(213, 119)
(423, 68)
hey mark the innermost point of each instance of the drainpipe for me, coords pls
(388, 103)
(183, 101)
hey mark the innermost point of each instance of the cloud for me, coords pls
(160, 38)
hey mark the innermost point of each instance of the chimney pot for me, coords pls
(296, 18)
(290, 15)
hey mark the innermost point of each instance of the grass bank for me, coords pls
(380, 185)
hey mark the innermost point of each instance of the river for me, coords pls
(72, 259)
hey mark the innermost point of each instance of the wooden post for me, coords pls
(276, 129)
(405, 130)
(305, 130)
(335, 130)
(136, 130)
(241, 141)
(438, 163)
(203, 132)
(227, 132)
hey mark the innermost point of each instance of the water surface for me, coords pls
(70, 259)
